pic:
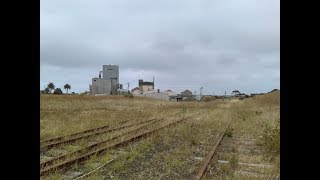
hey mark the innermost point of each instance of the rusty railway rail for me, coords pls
(48, 166)
(77, 134)
(206, 162)
(87, 134)
(90, 148)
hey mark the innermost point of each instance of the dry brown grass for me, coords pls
(171, 149)
(62, 115)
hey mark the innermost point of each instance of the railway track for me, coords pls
(236, 157)
(52, 140)
(48, 144)
(210, 155)
(91, 147)
(64, 162)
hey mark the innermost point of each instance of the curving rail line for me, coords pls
(64, 162)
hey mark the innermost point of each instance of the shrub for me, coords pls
(273, 90)
(57, 91)
(229, 132)
(225, 170)
(234, 161)
(271, 139)
(208, 99)
(253, 94)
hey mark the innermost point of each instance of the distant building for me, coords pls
(171, 93)
(187, 95)
(108, 83)
(136, 90)
(145, 86)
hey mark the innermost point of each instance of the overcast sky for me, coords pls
(221, 45)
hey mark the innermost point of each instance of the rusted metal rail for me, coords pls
(76, 134)
(210, 155)
(89, 148)
(91, 172)
(90, 133)
(47, 167)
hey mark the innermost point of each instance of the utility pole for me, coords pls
(153, 82)
(128, 87)
(201, 92)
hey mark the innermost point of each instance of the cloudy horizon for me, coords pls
(221, 45)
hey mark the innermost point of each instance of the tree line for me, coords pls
(51, 89)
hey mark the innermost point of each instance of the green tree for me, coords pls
(46, 90)
(67, 87)
(57, 91)
(273, 90)
(236, 93)
(51, 86)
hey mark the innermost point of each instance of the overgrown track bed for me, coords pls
(64, 162)
(48, 144)
(210, 155)
(52, 140)
(91, 147)
(239, 158)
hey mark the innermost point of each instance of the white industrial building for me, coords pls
(108, 83)
(145, 86)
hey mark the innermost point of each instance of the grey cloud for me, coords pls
(182, 42)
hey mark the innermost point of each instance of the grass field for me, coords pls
(173, 153)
